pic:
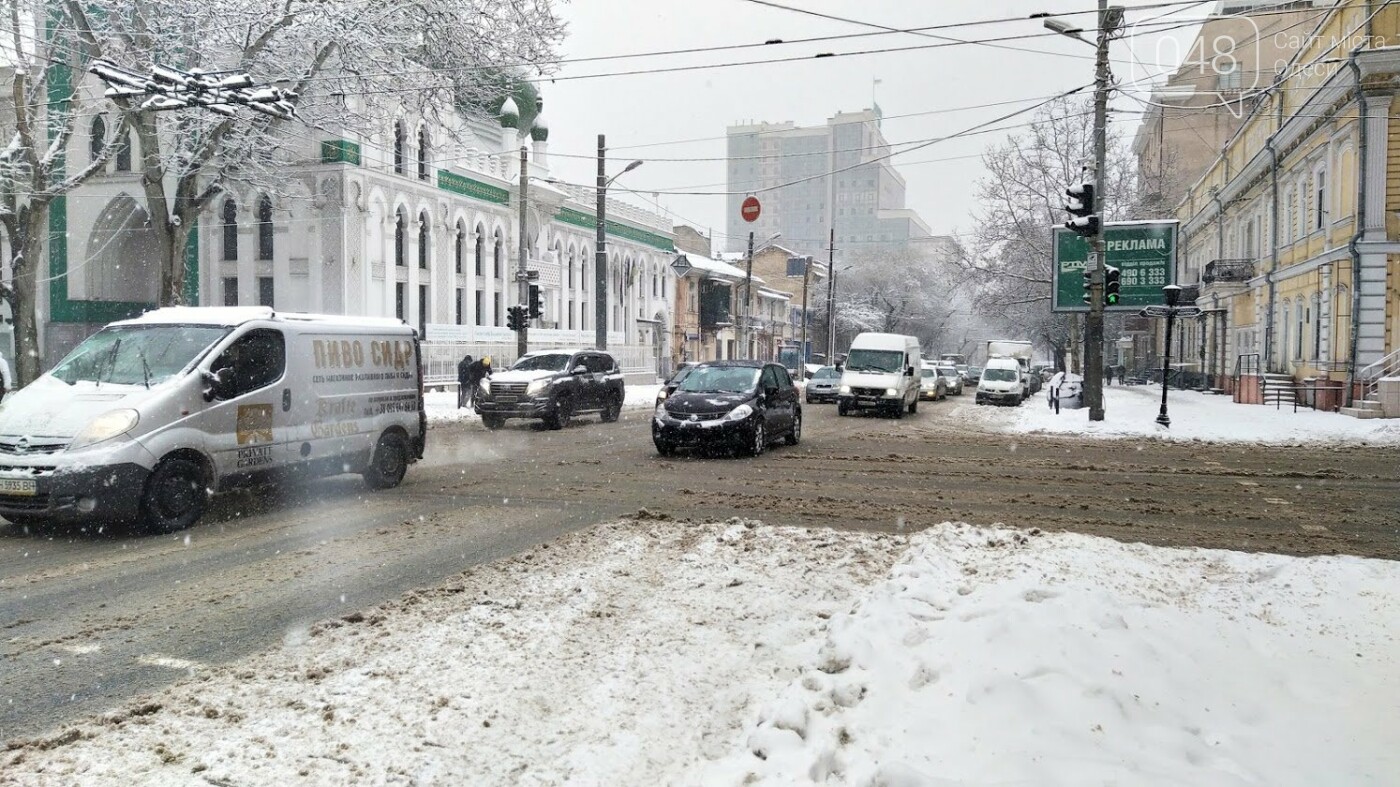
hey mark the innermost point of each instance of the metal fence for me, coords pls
(440, 359)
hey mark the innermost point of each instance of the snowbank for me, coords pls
(1131, 411)
(660, 653)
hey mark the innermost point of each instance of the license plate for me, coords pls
(18, 486)
(506, 399)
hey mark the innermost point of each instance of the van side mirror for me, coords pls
(217, 384)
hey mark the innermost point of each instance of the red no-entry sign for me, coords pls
(750, 209)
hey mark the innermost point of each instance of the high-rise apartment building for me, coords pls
(836, 175)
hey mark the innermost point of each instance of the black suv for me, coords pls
(553, 385)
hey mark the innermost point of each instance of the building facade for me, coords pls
(1292, 234)
(418, 220)
(812, 179)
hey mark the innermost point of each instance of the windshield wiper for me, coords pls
(145, 367)
(111, 365)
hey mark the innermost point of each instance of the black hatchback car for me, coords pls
(729, 404)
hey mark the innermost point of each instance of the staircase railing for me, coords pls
(1371, 374)
(1247, 364)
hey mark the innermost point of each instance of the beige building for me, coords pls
(1204, 102)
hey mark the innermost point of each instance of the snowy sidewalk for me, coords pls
(648, 653)
(1131, 411)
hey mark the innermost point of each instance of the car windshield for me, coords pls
(721, 379)
(974, 370)
(542, 363)
(929, 373)
(949, 372)
(827, 373)
(137, 354)
(883, 361)
(1000, 375)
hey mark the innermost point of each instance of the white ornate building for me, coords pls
(399, 223)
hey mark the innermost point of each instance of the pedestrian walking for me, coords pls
(1108, 375)
(1054, 391)
(464, 390)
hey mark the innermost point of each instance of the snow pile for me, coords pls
(997, 657)
(619, 655)
(442, 405)
(1131, 411)
(662, 653)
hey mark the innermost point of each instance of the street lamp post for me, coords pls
(747, 319)
(1170, 295)
(600, 243)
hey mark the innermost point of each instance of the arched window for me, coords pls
(98, 137)
(1317, 326)
(423, 153)
(459, 247)
(230, 225)
(1287, 321)
(123, 153)
(264, 228)
(498, 253)
(1299, 318)
(399, 142)
(423, 240)
(480, 249)
(571, 268)
(400, 238)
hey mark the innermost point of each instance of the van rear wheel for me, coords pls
(389, 462)
(175, 496)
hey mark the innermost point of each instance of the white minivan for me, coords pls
(881, 372)
(148, 417)
(1003, 382)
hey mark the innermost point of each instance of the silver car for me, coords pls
(954, 380)
(823, 385)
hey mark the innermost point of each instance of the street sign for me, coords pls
(681, 265)
(1177, 311)
(1143, 251)
(750, 209)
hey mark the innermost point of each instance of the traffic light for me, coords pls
(536, 307)
(1111, 285)
(1088, 283)
(515, 318)
(1081, 209)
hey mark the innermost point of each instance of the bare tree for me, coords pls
(39, 120)
(909, 288)
(422, 57)
(1021, 200)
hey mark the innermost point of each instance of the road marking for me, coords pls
(157, 660)
(81, 649)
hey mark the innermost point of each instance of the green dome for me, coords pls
(509, 114)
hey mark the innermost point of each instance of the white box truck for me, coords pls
(148, 417)
(881, 372)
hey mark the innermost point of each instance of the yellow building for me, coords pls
(1291, 233)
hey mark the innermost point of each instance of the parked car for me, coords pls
(669, 387)
(953, 381)
(1033, 383)
(932, 384)
(554, 386)
(823, 385)
(973, 375)
(729, 404)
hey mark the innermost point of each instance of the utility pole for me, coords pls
(744, 319)
(522, 271)
(802, 348)
(831, 299)
(1093, 324)
(600, 256)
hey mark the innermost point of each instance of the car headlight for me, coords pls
(484, 385)
(845, 389)
(661, 394)
(891, 392)
(113, 423)
(740, 413)
(538, 386)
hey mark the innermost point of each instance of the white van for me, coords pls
(147, 417)
(1003, 382)
(881, 371)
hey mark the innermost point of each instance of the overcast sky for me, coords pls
(940, 81)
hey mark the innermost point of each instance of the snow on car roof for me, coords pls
(237, 315)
